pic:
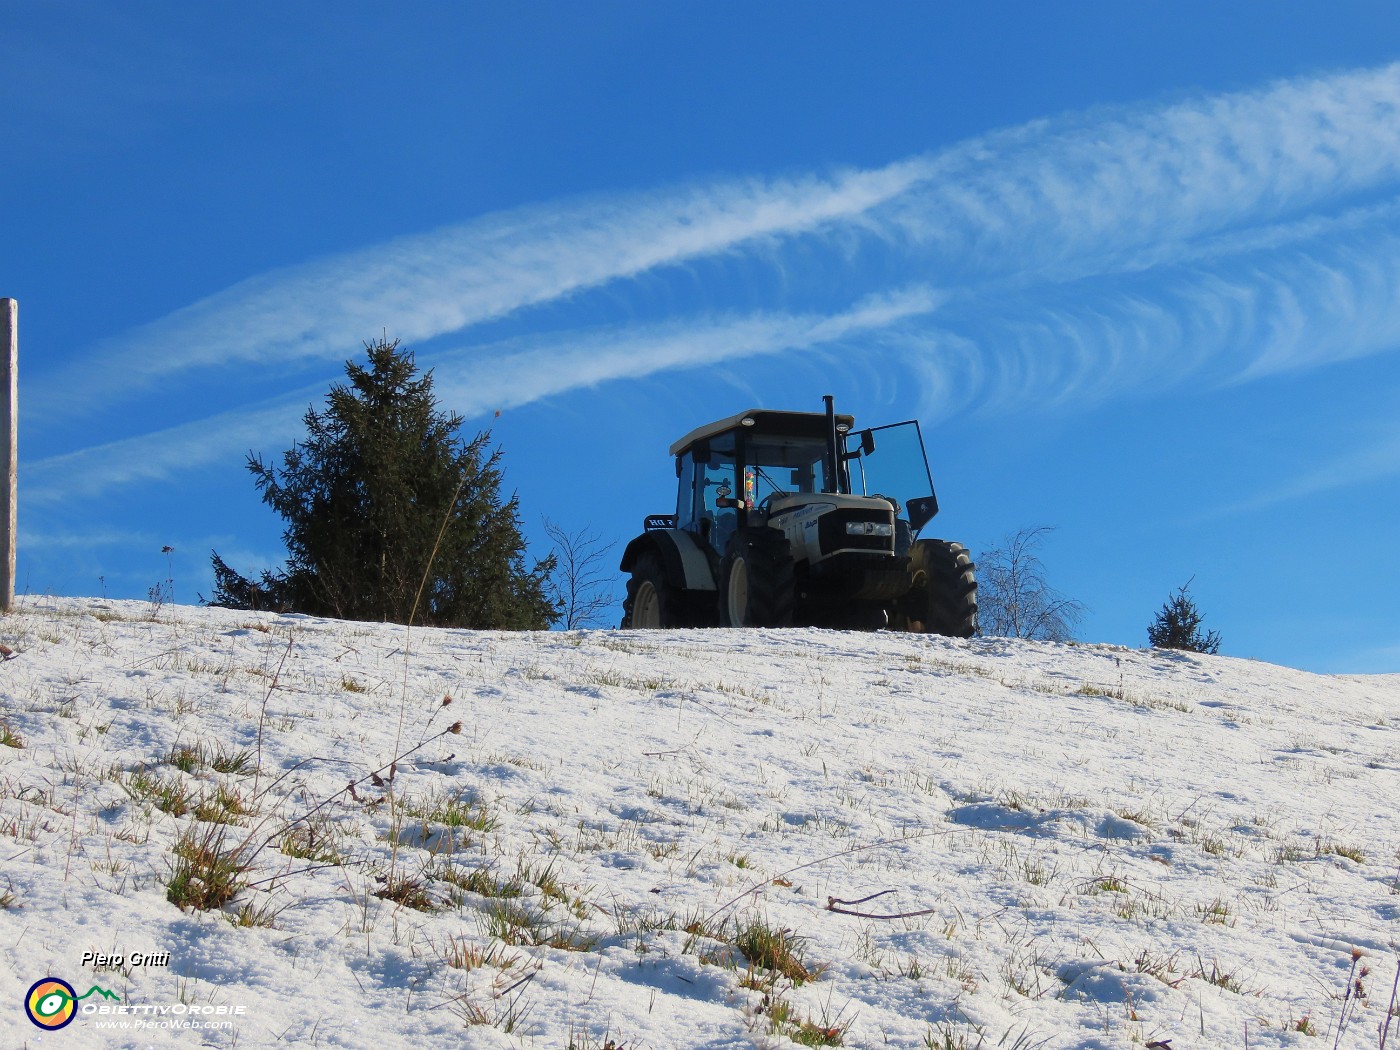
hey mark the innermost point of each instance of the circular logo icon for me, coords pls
(51, 1003)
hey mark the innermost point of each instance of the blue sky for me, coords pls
(1136, 268)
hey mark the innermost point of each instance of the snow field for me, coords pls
(650, 838)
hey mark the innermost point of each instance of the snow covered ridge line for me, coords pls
(639, 837)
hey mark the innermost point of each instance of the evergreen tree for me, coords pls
(1178, 626)
(391, 516)
(232, 591)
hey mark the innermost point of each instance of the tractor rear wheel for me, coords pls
(755, 580)
(943, 598)
(652, 602)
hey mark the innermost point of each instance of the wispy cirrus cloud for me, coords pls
(1231, 237)
(163, 453)
(1052, 200)
(519, 378)
(1375, 456)
(475, 380)
(432, 284)
(1233, 322)
(1094, 193)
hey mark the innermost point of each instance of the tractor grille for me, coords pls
(832, 534)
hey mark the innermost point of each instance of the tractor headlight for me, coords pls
(869, 528)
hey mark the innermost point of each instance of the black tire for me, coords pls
(652, 602)
(943, 599)
(755, 580)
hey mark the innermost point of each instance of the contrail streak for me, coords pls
(1071, 195)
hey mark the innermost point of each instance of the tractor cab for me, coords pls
(796, 517)
(750, 468)
(730, 470)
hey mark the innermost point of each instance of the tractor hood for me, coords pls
(797, 503)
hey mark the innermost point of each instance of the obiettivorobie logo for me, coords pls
(52, 1002)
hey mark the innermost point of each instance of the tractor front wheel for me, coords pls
(755, 580)
(943, 598)
(652, 602)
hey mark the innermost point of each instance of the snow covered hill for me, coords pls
(357, 835)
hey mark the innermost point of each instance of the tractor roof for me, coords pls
(765, 421)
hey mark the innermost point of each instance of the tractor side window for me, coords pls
(721, 492)
(685, 497)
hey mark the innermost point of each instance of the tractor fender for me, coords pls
(684, 560)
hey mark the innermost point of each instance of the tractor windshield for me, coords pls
(889, 461)
(783, 465)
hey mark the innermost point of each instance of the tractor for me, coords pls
(797, 519)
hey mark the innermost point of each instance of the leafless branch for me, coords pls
(841, 907)
(581, 585)
(1014, 599)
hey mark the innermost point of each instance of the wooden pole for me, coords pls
(9, 428)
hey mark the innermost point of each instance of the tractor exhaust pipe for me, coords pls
(833, 458)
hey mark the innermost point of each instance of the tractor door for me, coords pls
(711, 492)
(889, 461)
